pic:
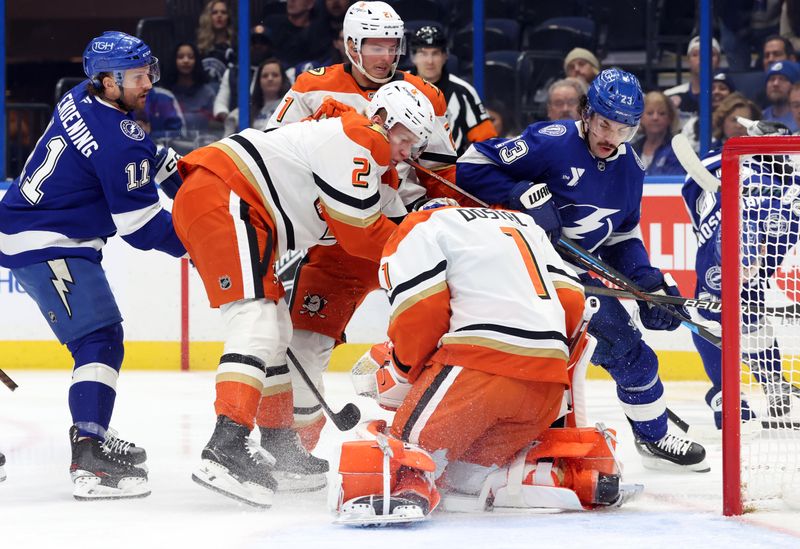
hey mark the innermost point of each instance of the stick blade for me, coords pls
(347, 418)
(693, 165)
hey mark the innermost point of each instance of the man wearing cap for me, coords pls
(780, 78)
(468, 119)
(721, 87)
(685, 96)
(581, 63)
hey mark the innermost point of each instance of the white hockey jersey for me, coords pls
(482, 289)
(319, 181)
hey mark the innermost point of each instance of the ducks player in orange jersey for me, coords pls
(246, 200)
(330, 284)
(477, 375)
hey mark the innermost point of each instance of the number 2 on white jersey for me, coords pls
(30, 186)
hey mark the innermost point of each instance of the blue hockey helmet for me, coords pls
(616, 95)
(116, 52)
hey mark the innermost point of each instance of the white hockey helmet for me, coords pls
(372, 20)
(407, 105)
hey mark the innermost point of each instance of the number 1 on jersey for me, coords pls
(530, 261)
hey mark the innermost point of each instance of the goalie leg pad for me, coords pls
(384, 480)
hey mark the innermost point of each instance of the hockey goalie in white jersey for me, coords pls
(486, 323)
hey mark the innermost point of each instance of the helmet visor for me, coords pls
(378, 47)
(138, 77)
(610, 131)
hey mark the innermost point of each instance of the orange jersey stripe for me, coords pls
(370, 136)
(493, 361)
(483, 131)
(366, 242)
(415, 332)
(412, 220)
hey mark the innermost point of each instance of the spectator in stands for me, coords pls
(790, 22)
(723, 122)
(581, 63)
(469, 122)
(777, 48)
(780, 78)
(334, 56)
(500, 118)
(163, 114)
(654, 143)
(299, 34)
(227, 97)
(188, 82)
(272, 85)
(215, 39)
(794, 102)
(685, 96)
(334, 11)
(721, 87)
(563, 99)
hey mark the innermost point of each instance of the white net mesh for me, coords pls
(770, 327)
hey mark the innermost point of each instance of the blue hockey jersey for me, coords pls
(89, 177)
(599, 200)
(770, 219)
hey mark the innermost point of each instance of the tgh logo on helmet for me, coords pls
(102, 47)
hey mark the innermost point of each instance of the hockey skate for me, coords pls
(2, 468)
(377, 511)
(101, 472)
(296, 470)
(673, 453)
(235, 466)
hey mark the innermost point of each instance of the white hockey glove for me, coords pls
(167, 176)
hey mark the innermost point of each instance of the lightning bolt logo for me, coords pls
(61, 276)
(592, 222)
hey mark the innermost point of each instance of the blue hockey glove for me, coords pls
(535, 200)
(167, 176)
(656, 317)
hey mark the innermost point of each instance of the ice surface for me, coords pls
(171, 415)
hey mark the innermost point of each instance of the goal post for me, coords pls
(760, 206)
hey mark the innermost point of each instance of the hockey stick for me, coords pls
(347, 418)
(590, 262)
(7, 381)
(789, 311)
(693, 165)
(440, 179)
(713, 306)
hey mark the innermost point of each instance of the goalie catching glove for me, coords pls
(535, 200)
(375, 376)
(167, 176)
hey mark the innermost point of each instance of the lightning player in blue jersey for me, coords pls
(91, 175)
(770, 228)
(596, 182)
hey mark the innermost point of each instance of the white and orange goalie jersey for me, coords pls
(311, 89)
(480, 288)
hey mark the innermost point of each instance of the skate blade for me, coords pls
(2, 474)
(627, 493)
(657, 464)
(89, 488)
(217, 478)
(405, 514)
(292, 482)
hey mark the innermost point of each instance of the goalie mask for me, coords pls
(405, 104)
(372, 20)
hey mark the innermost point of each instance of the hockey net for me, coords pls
(761, 339)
